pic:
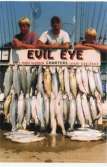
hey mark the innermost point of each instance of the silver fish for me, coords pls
(40, 80)
(65, 107)
(80, 114)
(16, 80)
(34, 110)
(34, 79)
(66, 80)
(85, 79)
(91, 81)
(28, 109)
(72, 112)
(73, 82)
(79, 80)
(13, 112)
(59, 112)
(8, 79)
(86, 109)
(93, 108)
(47, 109)
(21, 110)
(23, 79)
(40, 109)
(52, 114)
(29, 76)
(60, 71)
(98, 82)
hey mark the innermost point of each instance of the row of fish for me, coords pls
(52, 80)
(51, 111)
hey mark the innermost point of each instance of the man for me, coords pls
(55, 38)
(90, 38)
(25, 39)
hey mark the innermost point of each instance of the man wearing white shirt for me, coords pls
(55, 38)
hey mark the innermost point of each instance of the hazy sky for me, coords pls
(86, 14)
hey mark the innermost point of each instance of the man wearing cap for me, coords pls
(25, 39)
(55, 38)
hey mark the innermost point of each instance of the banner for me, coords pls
(53, 57)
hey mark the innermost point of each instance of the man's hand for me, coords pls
(16, 43)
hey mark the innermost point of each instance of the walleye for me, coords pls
(7, 103)
(73, 82)
(79, 80)
(23, 79)
(66, 80)
(8, 79)
(16, 80)
(85, 79)
(13, 112)
(91, 81)
(72, 113)
(28, 109)
(55, 81)
(47, 81)
(60, 71)
(80, 114)
(86, 110)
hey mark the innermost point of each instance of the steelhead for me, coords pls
(34, 110)
(16, 80)
(8, 80)
(23, 79)
(93, 108)
(28, 108)
(21, 110)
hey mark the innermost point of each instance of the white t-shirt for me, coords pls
(50, 38)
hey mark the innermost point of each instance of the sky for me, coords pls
(75, 16)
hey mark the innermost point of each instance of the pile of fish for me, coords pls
(85, 134)
(23, 136)
(52, 96)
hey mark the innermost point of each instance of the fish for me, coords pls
(80, 114)
(13, 112)
(59, 112)
(21, 110)
(91, 80)
(29, 76)
(47, 81)
(60, 71)
(98, 82)
(72, 113)
(79, 81)
(55, 81)
(28, 109)
(34, 110)
(86, 110)
(65, 107)
(40, 87)
(40, 109)
(53, 123)
(93, 108)
(73, 82)
(7, 103)
(66, 80)
(47, 109)
(34, 79)
(8, 80)
(85, 79)
(23, 79)
(16, 80)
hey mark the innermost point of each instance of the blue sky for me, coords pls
(87, 14)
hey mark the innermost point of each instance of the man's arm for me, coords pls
(100, 47)
(80, 46)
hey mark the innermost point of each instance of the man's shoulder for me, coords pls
(46, 32)
(63, 32)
